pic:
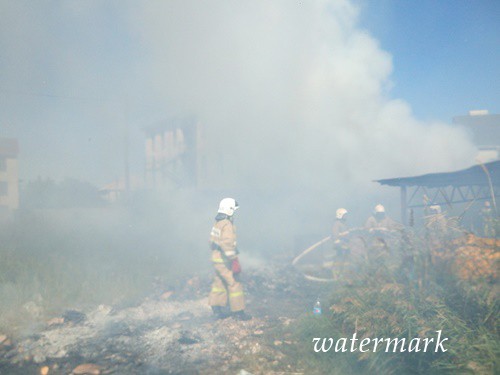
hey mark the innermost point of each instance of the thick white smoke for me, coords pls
(294, 94)
(295, 97)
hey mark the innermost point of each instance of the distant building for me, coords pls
(485, 130)
(9, 180)
(114, 190)
(177, 155)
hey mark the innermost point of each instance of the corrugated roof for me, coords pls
(9, 147)
(471, 176)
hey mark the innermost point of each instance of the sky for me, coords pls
(370, 86)
(445, 53)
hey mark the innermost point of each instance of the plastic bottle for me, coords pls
(317, 307)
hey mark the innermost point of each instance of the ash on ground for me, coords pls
(172, 332)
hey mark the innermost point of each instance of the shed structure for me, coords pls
(9, 180)
(172, 153)
(478, 183)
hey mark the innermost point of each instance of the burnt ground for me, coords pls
(173, 332)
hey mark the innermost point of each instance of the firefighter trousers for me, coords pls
(224, 286)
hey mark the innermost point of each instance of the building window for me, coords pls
(3, 164)
(3, 188)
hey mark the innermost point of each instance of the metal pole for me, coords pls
(403, 205)
(126, 151)
(492, 191)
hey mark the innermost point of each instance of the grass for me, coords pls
(403, 292)
(53, 260)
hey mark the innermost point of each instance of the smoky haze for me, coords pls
(290, 91)
(296, 96)
(296, 93)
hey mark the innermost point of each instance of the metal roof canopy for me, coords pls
(462, 186)
(471, 176)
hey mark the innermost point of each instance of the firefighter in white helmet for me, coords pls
(488, 220)
(226, 289)
(340, 228)
(340, 231)
(436, 226)
(379, 221)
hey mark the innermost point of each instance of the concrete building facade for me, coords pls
(485, 131)
(178, 156)
(9, 175)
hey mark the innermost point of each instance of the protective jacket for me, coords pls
(488, 220)
(436, 223)
(436, 227)
(223, 245)
(223, 238)
(339, 228)
(383, 224)
(340, 241)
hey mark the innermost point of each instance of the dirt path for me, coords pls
(172, 334)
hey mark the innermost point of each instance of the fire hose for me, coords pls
(319, 243)
(307, 251)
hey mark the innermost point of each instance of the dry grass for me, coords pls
(402, 291)
(55, 260)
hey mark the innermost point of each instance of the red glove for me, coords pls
(235, 266)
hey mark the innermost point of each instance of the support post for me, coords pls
(404, 208)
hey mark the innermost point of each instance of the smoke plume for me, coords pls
(294, 94)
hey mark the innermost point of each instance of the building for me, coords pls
(171, 153)
(9, 180)
(114, 191)
(485, 131)
(178, 156)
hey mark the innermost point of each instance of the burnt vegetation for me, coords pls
(409, 288)
(70, 299)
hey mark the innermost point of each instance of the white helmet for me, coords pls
(436, 208)
(340, 213)
(228, 206)
(379, 208)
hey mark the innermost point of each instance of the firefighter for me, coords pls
(437, 219)
(225, 287)
(436, 226)
(488, 220)
(339, 232)
(379, 221)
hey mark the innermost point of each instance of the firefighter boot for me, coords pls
(219, 312)
(241, 315)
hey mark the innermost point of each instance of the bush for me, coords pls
(405, 291)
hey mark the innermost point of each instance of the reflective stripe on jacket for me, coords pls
(223, 236)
